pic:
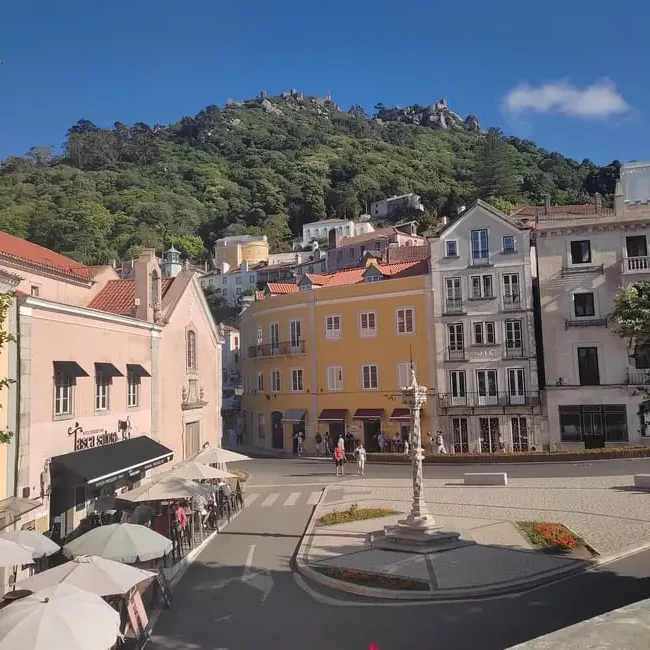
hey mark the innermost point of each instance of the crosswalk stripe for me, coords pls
(313, 499)
(292, 498)
(270, 500)
(249, 498)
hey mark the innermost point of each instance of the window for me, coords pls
(296, 380)
(275, 381)
(516, 387)
(35, 290)
(63, 391)
(132, 389)
(514, 340)
(636, 246)
(479, 239)
(335, 379)
(251, 279)
(373, 277)
(511, 294)
(453, 295)
(295, 333)
(405, 323)
(508, 244)
(224, 280)
(190, 345)
(484, 333)
(274, 335)
(581, 252)
(486, 383)
(489, 434)
(260, 382)
(588, 366)
(596, 422)
(333, 327)
(452, 248)
(519, 428)
(642, 358)
(583, 305)
(482, 287)
(260, 336)
(460, 435)
(368, 322)
(404, 374)
(370, 377)
(261, 427)
(455, 331)
(238, 279)
(102, 383)
(458, 387)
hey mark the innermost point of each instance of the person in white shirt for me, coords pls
(360, 453)
(301, 443)
(341, 443)
(440, 443)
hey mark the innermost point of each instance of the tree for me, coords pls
(221, 311)
(276, 228)
(495, 170)
(358, 111)
(6, 300)
(191, 246)
(630, 315)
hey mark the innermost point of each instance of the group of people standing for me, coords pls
(340, 458)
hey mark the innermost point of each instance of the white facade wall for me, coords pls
(565, 286)
(231, 284)
(344, 228)
(488, 381)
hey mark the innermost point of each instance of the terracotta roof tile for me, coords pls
(26, 251)
(584, 209)
(407, 254)
(355, 276)
(118, 296)
(282, 287)
(259, 295)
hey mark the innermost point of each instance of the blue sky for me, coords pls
(566, 74)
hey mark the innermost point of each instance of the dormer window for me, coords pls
(373, 278)
(190, 345)
(451, 248)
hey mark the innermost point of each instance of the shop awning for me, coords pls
(70, 369)
(402, 415)
(137, 370)
(368, 414)
(333, 415)
(294, 415)
(107, 463)
(107, 369)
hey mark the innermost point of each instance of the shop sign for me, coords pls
(91, 438)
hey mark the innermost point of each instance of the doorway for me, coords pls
(371, 430)
(490, 435)
(297, 428)
(277, 433)
(336, 430)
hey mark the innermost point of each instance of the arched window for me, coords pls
(191, 349)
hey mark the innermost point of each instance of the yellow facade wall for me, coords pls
(388, 349)
(234, 254)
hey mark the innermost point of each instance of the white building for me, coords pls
(342, 227)
(231, 284)
(485, 337)
(592, 377)
(386, 208)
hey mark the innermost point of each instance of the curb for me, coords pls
(507, 588)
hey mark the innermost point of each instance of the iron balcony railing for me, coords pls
(638, 376)
(636, 265)
(454, 306)
(456, 353)
(514, 350)
(583, 268)
(498, 398)
(280, 349)
(585, 322)
(511, 302)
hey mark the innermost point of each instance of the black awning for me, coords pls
(107, 369)
(70, 369)
(107, 463)
(137, 369)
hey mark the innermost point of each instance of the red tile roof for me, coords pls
(25, 251)
(259, 295)
(355, 276)
(394, 254)
(371, 236)
(584, 209)
(282, 287)
(118, 296)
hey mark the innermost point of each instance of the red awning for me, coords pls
(368, 414)
(333, 415)
(401, 415)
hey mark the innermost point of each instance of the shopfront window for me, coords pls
(608, 422)
(63, 392)
(102, 385)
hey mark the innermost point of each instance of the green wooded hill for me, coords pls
(267, 165)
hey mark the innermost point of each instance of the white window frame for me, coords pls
(275, 381)
(482, 292)
(260, 336)
(404, 374)
(333, 327)
(369, 366)
(260, 382)
(513, 322)
(455, 244)
(401, 315)
(487, 399)
(132, 390)
(485, 327)
(504, 249)
(295, 327)
(368, 332)
(274, 337)
(486, 258)
(455, 346)
(102, 391)
(570, 261)
(63, 393)
(517, 393)
(458, 388)
(297, 380)
(335, 379)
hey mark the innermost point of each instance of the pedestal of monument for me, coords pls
(421, 535)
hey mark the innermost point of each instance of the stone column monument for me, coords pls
(419, 532)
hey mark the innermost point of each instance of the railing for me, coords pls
(456, 354)
(511, 303)
(514, 350)
(283, 348)
(585, 322)
(480, 261)
(583, 268)
(454, 306)
(500, 398)
(638, 376)
(636, 265)
(486, 296)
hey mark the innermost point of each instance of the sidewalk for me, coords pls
(496, 558)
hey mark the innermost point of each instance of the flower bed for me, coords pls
(353, 513)
(550, 536)
(378, 580)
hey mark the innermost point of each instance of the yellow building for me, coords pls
(331, 354)
(242, 248)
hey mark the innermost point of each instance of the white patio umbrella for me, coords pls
(166, 488)
(120, 542)
(59, 618)
(194, 470)
(219, 456)
(12, 553)
(42, 546)
(91, 573)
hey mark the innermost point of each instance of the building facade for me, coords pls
(342, 227)
(594, 382)
(387, 208)
(333, 355)
(241, 248)
(487, 374)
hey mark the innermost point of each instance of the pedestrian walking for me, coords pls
(328, 443)
(440, 443)
(360, 453)
(301, 443)
(341, 443)
(319, 444)
(406, 447)
(339, 458)
(432, 442)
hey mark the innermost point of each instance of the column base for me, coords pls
(417, 537)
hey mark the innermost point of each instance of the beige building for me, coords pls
(585, 254)
(242, 248)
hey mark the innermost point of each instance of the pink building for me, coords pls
(115, 377)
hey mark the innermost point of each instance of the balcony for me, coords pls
(511, 303)
(514, 350)
(486, 296)
(481, 259)
(281, 349)
(583, 268)
(585, 322)
(635, 265)
(499, 399)
(456, 354)
(638, 376)
(454, 306)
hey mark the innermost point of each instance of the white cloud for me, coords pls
(598, 100)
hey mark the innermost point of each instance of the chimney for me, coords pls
(547, 204)
(147, 280)
(599, 203)
(333, 239)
